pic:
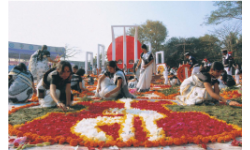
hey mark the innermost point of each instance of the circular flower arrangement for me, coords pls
(126, 123)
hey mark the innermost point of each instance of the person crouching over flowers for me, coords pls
(203, 87)
(113, 84)
(55, 87)
(21, 84)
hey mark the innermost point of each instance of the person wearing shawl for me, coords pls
(147, 62)
(21, 84)
(38, 63)
(113, 84)
(203, 87)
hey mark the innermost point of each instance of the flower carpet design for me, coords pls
(125, 123)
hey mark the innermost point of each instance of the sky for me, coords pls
(86, 24)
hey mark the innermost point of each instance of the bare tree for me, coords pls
(228, 35)
(70, 51)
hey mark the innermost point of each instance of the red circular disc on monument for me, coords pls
(183, 72)
(119, 51)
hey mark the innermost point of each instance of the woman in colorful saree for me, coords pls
(147, 69)
(113, 84)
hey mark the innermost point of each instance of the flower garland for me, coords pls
(138, 123)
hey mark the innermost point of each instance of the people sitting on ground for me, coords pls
(21, 84)
(77, 81)
(203, 87)
(133, 82)
(90, 80)
(173, 80)
(55, 87)
(173, 70)
(113, 84)
(75, 69)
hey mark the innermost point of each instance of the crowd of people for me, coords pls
(55, 84)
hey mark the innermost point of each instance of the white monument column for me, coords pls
(156, 55)
(113, 43)
(86, 62)
(124, 42)
(91, 60)
(124, 48)
(103, 56)
(162, 57)
(135, 44)
(98, 57)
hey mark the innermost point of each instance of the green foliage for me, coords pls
(151, 31)
(227, 10)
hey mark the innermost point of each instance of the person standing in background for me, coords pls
(38, 63)
(227, 61)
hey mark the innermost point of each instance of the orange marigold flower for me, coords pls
(163, 142)
(68, 139)
(101, 143)
(19, 134)
(220, 139)
(81, 143)
(205, 140)
(73, 142)
(120, 144)
(136, 143)
(177, 141)
(148, 144)
(39, 140)
(190, 140)
(62, 140)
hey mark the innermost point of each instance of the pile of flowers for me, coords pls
(125, 123)
(34, 98)
(230, 94)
